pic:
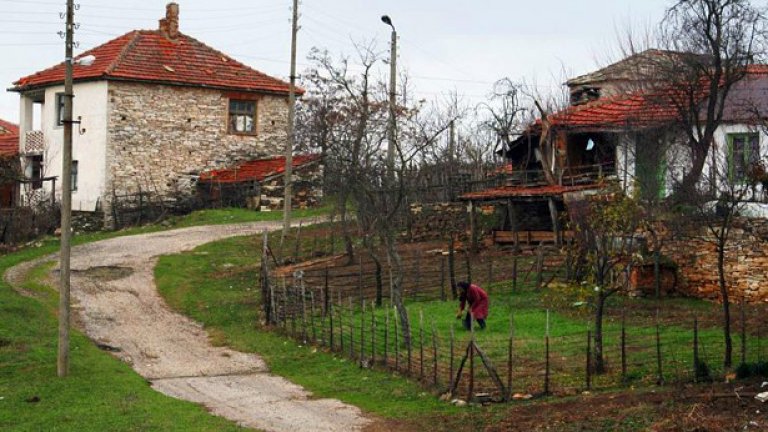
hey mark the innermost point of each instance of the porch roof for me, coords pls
(517, 192)
(256, 170)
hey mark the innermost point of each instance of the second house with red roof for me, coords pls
(155, 109)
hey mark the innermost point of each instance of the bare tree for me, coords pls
(713, 42)
(606, 224)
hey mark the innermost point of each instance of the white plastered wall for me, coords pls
(88, 147)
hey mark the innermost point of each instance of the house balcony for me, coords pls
(34, 142)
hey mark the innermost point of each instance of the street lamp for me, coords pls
(392, 96)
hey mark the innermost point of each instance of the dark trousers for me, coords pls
(468, 321)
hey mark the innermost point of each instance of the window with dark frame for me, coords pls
(74, 176)
(59, 109)
(242, 117)
(744, 151)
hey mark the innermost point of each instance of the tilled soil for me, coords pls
(117, 304)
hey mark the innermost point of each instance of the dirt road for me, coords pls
(117, 304)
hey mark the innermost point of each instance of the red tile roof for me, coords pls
(9, 139)
(256, 170)
(523, 192)
(634, 111)
(148, 55)
(637, 110)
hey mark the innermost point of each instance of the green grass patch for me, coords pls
(101, 393)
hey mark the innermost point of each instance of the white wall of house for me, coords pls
(88, 148)
(679, 161)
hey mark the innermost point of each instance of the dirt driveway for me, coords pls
(116, 302)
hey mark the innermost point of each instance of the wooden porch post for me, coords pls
(554, 216)
(472, 227)
(512, 214)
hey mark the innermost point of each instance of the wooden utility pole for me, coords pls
(62, 364)
(291, 127)
(392, 131)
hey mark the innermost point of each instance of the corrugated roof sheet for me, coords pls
(256, 170)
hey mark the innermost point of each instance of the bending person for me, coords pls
(477, 299)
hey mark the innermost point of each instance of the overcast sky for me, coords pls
(445, 45)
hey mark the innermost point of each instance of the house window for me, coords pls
(242, 117)
(34, 170)
(59, 109)
(74, 176)
(743, 152)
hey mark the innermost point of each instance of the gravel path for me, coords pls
(114, 295)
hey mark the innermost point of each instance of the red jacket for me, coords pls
(478, 301)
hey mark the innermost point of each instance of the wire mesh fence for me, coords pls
(525, 351)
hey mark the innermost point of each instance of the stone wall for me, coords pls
(746, 262)
(160, 137)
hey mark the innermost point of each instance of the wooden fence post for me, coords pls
(341, 328)
(546, 358)
(360, 282)
(326, 293)
(351, 330)
(386, 337)
(450, 372)
(452, 266)
(696, 366)
(434, 355)
(508, 396)
(397, 342)
(303, 311)
(362, 334)
(743, 332)
(514, 272)
(623, 349)
(373, 334)
(312, 315)
(589, 360)
(442, 278)
(471, 389)
(330, 325)
(421, 345)
(660, 380)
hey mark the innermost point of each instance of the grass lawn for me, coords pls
(102, 393)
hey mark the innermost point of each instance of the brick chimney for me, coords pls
(169, 26)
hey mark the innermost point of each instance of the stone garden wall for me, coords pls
(746, 262)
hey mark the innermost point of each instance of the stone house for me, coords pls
(154, 108)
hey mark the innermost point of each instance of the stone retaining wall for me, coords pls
(746, 262)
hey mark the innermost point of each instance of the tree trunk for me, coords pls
(728, 357)
(350, 250)
(397, 286)
(599, 310)
(698, 158)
